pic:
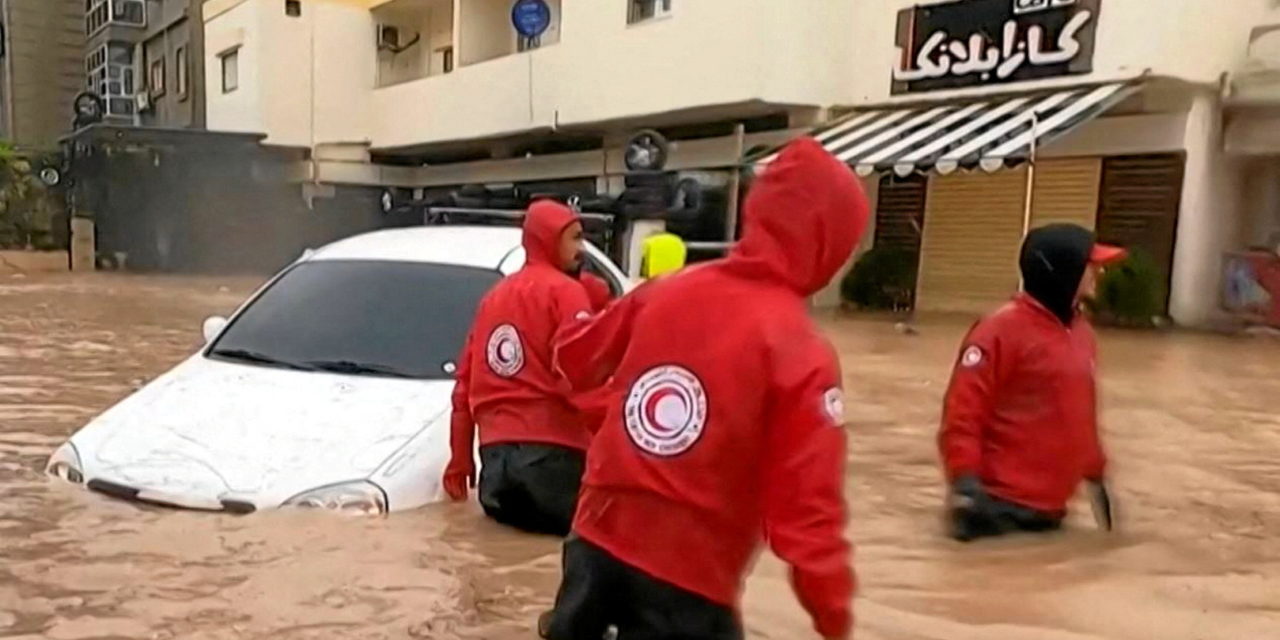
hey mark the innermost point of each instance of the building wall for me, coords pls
(43, 69)
(237, 28)
(303, 80)
(174, 25)
(601, 69)
(202, 202)
(484, 30)
(343, 82)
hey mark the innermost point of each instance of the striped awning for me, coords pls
(990, 134)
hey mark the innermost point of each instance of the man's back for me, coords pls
(689, 428)
(505, 383)
(724, 422)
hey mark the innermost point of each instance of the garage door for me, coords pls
(973, 229)
(1066, 190)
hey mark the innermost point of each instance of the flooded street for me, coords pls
(1191, 422)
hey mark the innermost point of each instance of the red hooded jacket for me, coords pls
(598, 291)
(724, 426)
(505, 384)
(1021, 411)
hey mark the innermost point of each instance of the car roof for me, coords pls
(468, 246)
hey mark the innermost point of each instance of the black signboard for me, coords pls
(979, 42)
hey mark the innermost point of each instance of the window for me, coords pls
(352, 316)
(99, 13)
(181, 79)
(110, 75)
(293, 8)
(642, 10)
(230, 71)
(155, 78)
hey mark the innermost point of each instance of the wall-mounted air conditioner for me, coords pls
(388, 37)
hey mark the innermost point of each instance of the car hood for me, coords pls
(210, 429)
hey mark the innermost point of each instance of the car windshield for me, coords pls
(381, 318)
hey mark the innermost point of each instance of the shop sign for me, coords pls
(980, 42)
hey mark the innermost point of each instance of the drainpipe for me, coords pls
(8, 70)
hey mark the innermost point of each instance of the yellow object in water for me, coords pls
(663, 253)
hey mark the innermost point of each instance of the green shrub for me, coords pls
(1132, 292)
(882, 279)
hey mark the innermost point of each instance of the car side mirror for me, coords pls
(213, 326)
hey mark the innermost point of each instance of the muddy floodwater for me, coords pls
(1192, 423)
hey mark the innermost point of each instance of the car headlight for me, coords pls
(65, 464)
(354, 498)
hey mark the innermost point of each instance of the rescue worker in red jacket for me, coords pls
(532, 437)
(1019, 428)
(724, 426)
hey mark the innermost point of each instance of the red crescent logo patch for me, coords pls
(666, 411)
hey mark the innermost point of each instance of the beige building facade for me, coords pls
(41, 70)
(421, 94)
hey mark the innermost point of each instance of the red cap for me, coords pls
(1105, 254)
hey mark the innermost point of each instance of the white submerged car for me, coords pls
(329, 388)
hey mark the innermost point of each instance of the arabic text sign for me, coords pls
(976, 42)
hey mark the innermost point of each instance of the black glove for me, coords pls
(970, 509)
(967, 492)
(1102, 509)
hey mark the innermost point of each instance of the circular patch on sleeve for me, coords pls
(972, 357)
(833, 405)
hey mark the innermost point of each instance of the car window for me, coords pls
(593, 264)
(400, 319)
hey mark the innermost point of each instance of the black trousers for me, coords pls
(996, 517)
(532, 487)
(599, 592)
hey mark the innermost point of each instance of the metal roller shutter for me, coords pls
(973, 229)
(1066, 190)
(900, 212)
(1139, 202)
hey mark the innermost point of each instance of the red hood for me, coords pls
(802, 219)
(543, 225)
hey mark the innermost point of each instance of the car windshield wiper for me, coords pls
(257, 357)
(358, 368)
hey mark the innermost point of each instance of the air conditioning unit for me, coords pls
(388, 37)
(142, 101)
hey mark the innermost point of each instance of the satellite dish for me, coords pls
(50, 176)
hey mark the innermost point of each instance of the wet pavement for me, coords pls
(1191, 422)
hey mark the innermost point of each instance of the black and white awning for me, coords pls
(990, 134)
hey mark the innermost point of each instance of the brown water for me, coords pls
(1193, 430)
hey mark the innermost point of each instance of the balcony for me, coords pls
(419, 39)
(690, 61)
(1257, 82)
(101, 14)
(414, 39)
(110, 73)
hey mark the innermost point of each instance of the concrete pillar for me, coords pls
(640, 230)
(1208, 218)
(83, 245)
